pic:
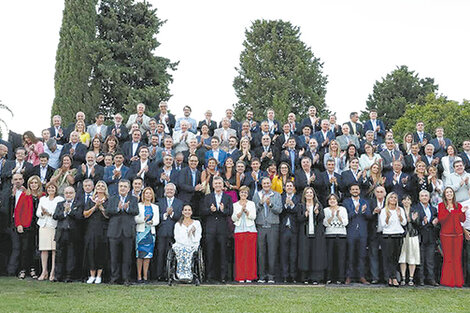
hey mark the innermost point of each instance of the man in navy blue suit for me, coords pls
(328, 182)
(75, 149)
(170, 212)
(375, 125)
(189, 184)
(254, 177)
(358, 216)
(465, 155)
(131, 148)
(217, 153)
(397, 181)
(351, 177)
(440, 143)
(165, 175)
(324, 136)
(427, 220)
(289, 232)
(114, 173)
(291, 155)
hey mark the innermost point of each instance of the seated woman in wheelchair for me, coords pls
(187, 238)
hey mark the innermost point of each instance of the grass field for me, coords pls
(34, 296)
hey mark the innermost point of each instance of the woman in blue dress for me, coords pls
(148, 218)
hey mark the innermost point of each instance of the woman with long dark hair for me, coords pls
(33, 146)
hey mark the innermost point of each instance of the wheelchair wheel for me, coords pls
(171, 266)
(200, 265)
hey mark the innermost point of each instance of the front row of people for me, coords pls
(321, 244)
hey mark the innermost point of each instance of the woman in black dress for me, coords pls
(95, 234)
(312, 243)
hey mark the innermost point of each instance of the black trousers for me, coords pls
(21, 250)
(288, 251)
(163, 246)
(427, 261)
(121, 250)
(391, 253)
(375, 241)
(65, 256)
(336, 249)
(214, 241)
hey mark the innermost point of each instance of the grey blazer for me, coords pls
(274, 209)
(92, 130)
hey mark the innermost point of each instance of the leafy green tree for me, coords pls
(437, 111)
(4, 107)
(127, 71)
(73, 63)
(277, 70)
(391, 95)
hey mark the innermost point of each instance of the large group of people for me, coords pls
(305, 200)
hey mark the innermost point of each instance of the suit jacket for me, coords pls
(182, 145)
(258, 152)
(127, 151)
(358, 222)
(301, 181)
(324, 187)
(171, 121)
(466, 161)
(6, 174)
(122, 135)
(380, 133)
(320, 139)
(288, 160)
(221, 158)
(347, 179)
(235, 155)
(374, 219)
(233, 125)
(289, 213)
(59, 139)
(428, 232)
(253, 184)
(224, 141)
(388, 160)
(185, 184)
(97, 176)
(274, 209)
(440, 151)
(409, 167)
(160, 185)
(400, 188)
(113, 182)
(149, 177)
(93, 131)
(298, 129)
(121, 222)
(307, 121)
(216, 222)
(145, 122)
(343, 141)
(281, 140)
(212, 126)
(67, 222)
(166, 227)
(78, 156)
(426, 136)
(359, 129)
(36, 170)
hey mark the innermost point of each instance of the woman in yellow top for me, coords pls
(84, 136)
(283, 175)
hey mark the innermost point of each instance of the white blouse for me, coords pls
(336, 227)
(181, 234)
(394, 226)
(49, 206)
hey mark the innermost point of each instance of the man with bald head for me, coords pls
(90, 169)
(75, 149)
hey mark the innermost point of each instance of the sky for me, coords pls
(358, 41)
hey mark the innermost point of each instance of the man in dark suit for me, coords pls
(369, 138)
(427, 220)
(17, 166)
(121, 210)
(217, 207)
(9, 154)
(305, 137)
(420, 136)
(75, 149)
(67, 234)
(56, 131)
(389, 155)
(354, 125)
(428, 156)
(119, 130)
(266, 152)
(358, 217)
(253, 178)
(43, 170)
(291, 155)
(189, 184)
(312, 120)
(233, 152)
(170, 212)
(212, 125)
(264, 130)
(156, 130)
(233, 123)
(440, 143)
(131, 148)
(165, 117)
(79, 116)
(351, 177)
(324, 136)
(90, 170)
(375, 125)
(328, 182)
(281, 141)
(165, 175)
(397, 181)
(411, 159)
(114, 173)
(305, 176)
(377, 203)
(294, 125)
(288, 233)
(143, 168)
(245, 131)
(465, 155)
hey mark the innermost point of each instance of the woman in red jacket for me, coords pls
(450, 214)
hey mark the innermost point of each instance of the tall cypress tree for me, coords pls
(127, 71)
(73, 62)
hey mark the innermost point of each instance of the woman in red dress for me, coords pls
(450, 214)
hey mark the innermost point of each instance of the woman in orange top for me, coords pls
(450, 214)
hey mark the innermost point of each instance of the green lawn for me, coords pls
(34, 296)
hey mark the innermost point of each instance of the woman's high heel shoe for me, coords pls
(44, 276)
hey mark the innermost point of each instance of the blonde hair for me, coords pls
(29, 192)
(387, 199)
(105, 189)
(143, 192)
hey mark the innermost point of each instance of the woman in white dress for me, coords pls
(368, 158)
(410, 253)
(47, 225)
(188, 234)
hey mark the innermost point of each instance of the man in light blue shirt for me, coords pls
(53, 150)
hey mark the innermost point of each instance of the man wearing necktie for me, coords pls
(289, 232)
(121, 210)
(269, 206)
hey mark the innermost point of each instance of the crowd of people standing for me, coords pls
(308, 200)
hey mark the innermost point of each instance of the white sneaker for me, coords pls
(248, 281)
(91, 280)
(98, 280)
(270, 281)
(261, 281)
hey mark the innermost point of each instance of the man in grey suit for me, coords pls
(224, 133)
(268, 207)
(98, 128)
(389, 155)
(347, 138)
(140, 118)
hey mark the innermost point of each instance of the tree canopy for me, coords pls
(392, 94)
(277, 70)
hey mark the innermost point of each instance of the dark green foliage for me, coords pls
(437, 111)
(127, 72)
(73, 62)
(277, 70)
(391, 95)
